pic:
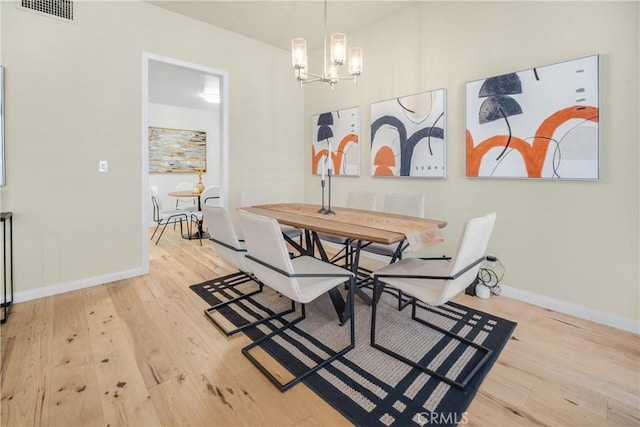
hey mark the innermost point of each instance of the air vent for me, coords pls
(62, 9)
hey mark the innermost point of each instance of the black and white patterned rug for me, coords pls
(366, 385)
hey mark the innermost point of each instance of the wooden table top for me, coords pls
(370, 226)
(183, 194)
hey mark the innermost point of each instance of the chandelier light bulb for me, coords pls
(299, 53)
(338, 48)
(355, 61)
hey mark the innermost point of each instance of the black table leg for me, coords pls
(354, 269)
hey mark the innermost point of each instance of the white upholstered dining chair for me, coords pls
(365, 200)
(401, 204)
(358, 199)
(436, 282)
(162, 218)
(209, 197)
(232, 251)
(301, 279)
(254, 198)
(185, 202)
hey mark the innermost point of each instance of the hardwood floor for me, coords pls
(141, 352)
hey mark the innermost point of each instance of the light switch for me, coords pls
(103, 166)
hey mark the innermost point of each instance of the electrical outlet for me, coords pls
(103, 166)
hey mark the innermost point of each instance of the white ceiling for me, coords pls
(271, 22)
(277, 22)
(179, 86)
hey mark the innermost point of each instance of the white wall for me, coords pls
(573, 241)
(170, 116)
(75, 97)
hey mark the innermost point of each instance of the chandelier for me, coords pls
(332, 64)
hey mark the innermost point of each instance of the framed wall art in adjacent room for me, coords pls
(177, 150)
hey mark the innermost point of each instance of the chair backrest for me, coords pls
(210, 196)
(362, 200)
(264, 241)
(221, 229)
(253, 198)
(156, 208)
(405, 204)
(184, 202)
(473, 246)
(184, 186)
(155, 202)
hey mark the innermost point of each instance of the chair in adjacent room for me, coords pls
(186, 204)
(301, 279)
(436, 282)
(209, 197)
(232, 251)
(254, 198)
(164, 218)
(365, 200)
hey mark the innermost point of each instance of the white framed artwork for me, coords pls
(408, 136)
(540, 123)
(335, 139)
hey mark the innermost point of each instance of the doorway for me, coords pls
(182, 96)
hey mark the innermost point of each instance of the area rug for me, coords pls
(366, 385)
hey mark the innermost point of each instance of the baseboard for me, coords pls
(602, 317)
(583, 312)
(60, 288)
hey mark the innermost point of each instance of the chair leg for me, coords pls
(154, 231)
(286, 386)
(231, 281)
(377, 291)
(402, 302)
(229, 332)
(162, 232)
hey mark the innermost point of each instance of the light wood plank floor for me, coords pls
(141, 352)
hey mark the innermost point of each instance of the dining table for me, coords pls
(360, 227)
(200, 233)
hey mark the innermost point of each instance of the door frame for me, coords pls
(224, 139)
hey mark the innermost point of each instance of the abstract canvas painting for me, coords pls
(408, 136)
(538, 123)
(177, 150)
(337, 133)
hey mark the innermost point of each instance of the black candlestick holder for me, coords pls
(322, 209)
(328, 211)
